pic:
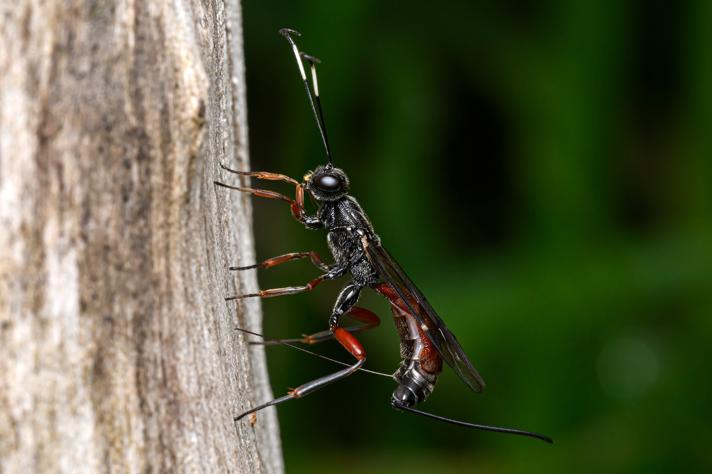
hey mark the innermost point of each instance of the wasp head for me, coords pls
(327, 183)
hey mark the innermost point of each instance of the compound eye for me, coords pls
(328, 183)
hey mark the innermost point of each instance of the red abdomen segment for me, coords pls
(417, 351)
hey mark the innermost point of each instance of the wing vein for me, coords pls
(438, 333)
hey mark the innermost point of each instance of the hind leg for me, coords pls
(367, 318)
(344, 303)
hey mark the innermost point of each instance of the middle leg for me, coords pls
(335, 271)
(288, 257)
(287, 290)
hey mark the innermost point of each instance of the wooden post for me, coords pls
(117, 350)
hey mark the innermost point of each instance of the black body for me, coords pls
(348, 228)
(425, 341)
(346, 223)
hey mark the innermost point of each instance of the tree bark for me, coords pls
(118, 352)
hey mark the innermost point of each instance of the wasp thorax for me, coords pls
(327, 183)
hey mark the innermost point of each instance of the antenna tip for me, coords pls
(310, 58)
(288, 31)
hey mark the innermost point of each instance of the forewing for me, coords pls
(441, 337)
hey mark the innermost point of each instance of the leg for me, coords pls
(320, 356)
(368, 318)
(344, 303)
(263, 175)
(274, 261)
(335, 271)
(347, 298)
(296, 205)
(289, 290)
(265, 193)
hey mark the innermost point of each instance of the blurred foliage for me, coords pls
(543, 172)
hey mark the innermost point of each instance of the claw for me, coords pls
(248, 295)
(310, 58)
(288, 31)
(247, 267)
(227, 168)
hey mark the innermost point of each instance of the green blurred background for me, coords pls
(542, 170)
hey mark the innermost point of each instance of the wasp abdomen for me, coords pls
(420, 362)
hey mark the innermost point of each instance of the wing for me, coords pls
(441, 337)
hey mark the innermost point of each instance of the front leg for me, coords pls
(296, 204)
(299, 213)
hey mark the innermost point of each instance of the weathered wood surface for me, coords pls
(117, 350)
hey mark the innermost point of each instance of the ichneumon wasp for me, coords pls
(425, 341)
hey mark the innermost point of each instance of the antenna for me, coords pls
(314, 100)
(315, 84)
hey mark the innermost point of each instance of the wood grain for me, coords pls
(117, 350)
